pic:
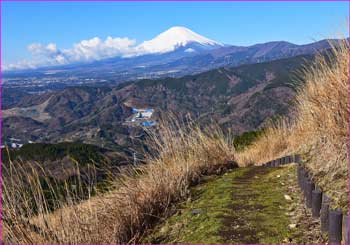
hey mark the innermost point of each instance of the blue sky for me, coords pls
(237, 23)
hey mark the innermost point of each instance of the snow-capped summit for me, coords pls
(174, 38)
(175, 43)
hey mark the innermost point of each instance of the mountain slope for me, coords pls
(240, 98)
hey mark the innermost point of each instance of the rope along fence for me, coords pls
(334, 222)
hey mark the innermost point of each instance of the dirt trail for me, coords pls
(246, 205)
(258, 209)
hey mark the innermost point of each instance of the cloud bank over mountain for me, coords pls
(86, 50)
(97, 49)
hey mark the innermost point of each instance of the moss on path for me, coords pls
(246, 205)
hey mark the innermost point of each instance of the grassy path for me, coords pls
(246, 205)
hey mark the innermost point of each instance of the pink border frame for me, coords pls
(175, 1)
(348, 127)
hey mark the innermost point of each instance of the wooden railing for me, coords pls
(334, 222)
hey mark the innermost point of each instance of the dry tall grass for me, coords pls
(319, 126)
(185, 154)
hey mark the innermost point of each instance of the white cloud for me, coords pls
(23, 64)
(39, 49)
(86, 50)
(95, 49)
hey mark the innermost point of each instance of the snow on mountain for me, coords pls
(177, 38)
(174, 38)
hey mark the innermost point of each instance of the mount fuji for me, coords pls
(175, 38)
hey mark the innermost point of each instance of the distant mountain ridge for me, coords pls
(175, 53)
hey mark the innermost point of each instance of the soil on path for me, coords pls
(259, 209)
(245, 205)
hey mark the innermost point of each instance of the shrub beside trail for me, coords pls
(183, 153)
(318, 128)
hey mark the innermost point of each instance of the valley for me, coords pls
(235, 97)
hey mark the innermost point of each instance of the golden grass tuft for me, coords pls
(319, 125)
(184, 154)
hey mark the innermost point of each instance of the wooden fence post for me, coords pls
(309, 187)
(335, 226)
(324, 213)
(316, 203)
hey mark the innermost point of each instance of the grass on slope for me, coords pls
(319, 125)
(183, 155)
(246, 205)
(211, 200)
